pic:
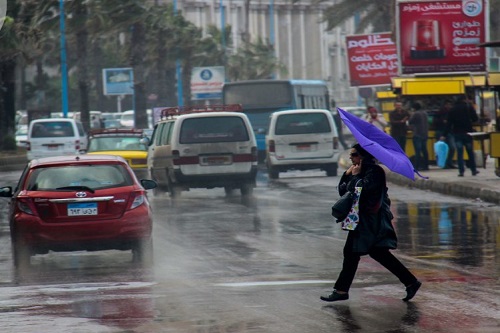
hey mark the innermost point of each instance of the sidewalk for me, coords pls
(485, 186)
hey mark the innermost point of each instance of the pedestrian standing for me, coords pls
(374, 234)
(338, 124)
(373, 117)
(439, 124)
(459, 123)
(419, 122)
(397, 119)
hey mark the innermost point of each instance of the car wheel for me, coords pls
(246, 189)
(273, 172)
(143, 252)
(21, 254)
(331, 170)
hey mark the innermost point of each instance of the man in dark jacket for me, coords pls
(459, 123)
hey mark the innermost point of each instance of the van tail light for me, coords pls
(272, 146)
(335, 143)
(28, 145)
(176, 157)
(254, 154)
(77, 144)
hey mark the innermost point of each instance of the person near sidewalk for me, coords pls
(397, 120)
(439, 124)
(373, 117)
(338, 124)
(419, 123)
(459, 123)
(374, 235)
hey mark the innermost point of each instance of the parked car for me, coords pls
(203, 150)
(302, 140)
(54, 137)
(78, 203)
(131, 144)
(22, 136)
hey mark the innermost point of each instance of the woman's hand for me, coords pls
(354, 169)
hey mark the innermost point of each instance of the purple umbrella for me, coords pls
(381, 145)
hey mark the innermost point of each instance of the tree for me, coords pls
(377, 14)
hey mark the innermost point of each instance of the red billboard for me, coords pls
(441, 36)
(373, 59)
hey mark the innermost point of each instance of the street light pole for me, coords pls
(178, 72)
(64, 65)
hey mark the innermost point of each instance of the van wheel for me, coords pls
(173, 190)
(273, 172)
(246, 189)
(228, 190)
(331, 170)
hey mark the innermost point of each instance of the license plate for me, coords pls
(216, 160)
(82, 209)
(53, 147)
(303, 148)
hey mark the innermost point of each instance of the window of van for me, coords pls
(53, 129)
(213, 129)
(302, 123)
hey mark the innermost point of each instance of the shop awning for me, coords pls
(437, 85)
(494, 79)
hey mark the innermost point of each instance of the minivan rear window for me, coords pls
(302, 123)
(213, 129)
(53, 129)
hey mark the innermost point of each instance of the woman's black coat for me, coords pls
(375, 227)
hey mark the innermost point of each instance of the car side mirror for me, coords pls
(148, 184)
(6, 192)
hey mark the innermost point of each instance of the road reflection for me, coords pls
(462, 235)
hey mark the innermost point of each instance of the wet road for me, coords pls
(223, 264)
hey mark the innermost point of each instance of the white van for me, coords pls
(301, 140)
(54, 137)
(203, 150)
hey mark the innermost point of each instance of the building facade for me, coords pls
(301, 40)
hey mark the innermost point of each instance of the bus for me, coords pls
(260, 98)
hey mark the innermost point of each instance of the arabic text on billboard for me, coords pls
(373, 59)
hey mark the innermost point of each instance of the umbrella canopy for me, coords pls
(381, 145)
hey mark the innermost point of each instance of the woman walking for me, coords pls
(374, 235)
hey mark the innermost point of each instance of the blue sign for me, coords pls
(118, 81)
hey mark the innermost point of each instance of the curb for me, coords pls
(455, 188)
(13, 162)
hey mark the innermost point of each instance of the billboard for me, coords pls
(372, 58)
(118, 81)
(206, 82)
(441, 36)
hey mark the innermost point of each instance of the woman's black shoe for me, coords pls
(335, 296)
(411, 290)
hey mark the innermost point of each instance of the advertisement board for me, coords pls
(206, 82)
(372, 58)
(441, 36)
(118, 81)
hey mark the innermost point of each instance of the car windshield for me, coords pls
(302, 123)
(91, 176)
(52, 129)
(213, 129)
(116, 143)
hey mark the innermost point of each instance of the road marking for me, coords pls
(272, 283)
